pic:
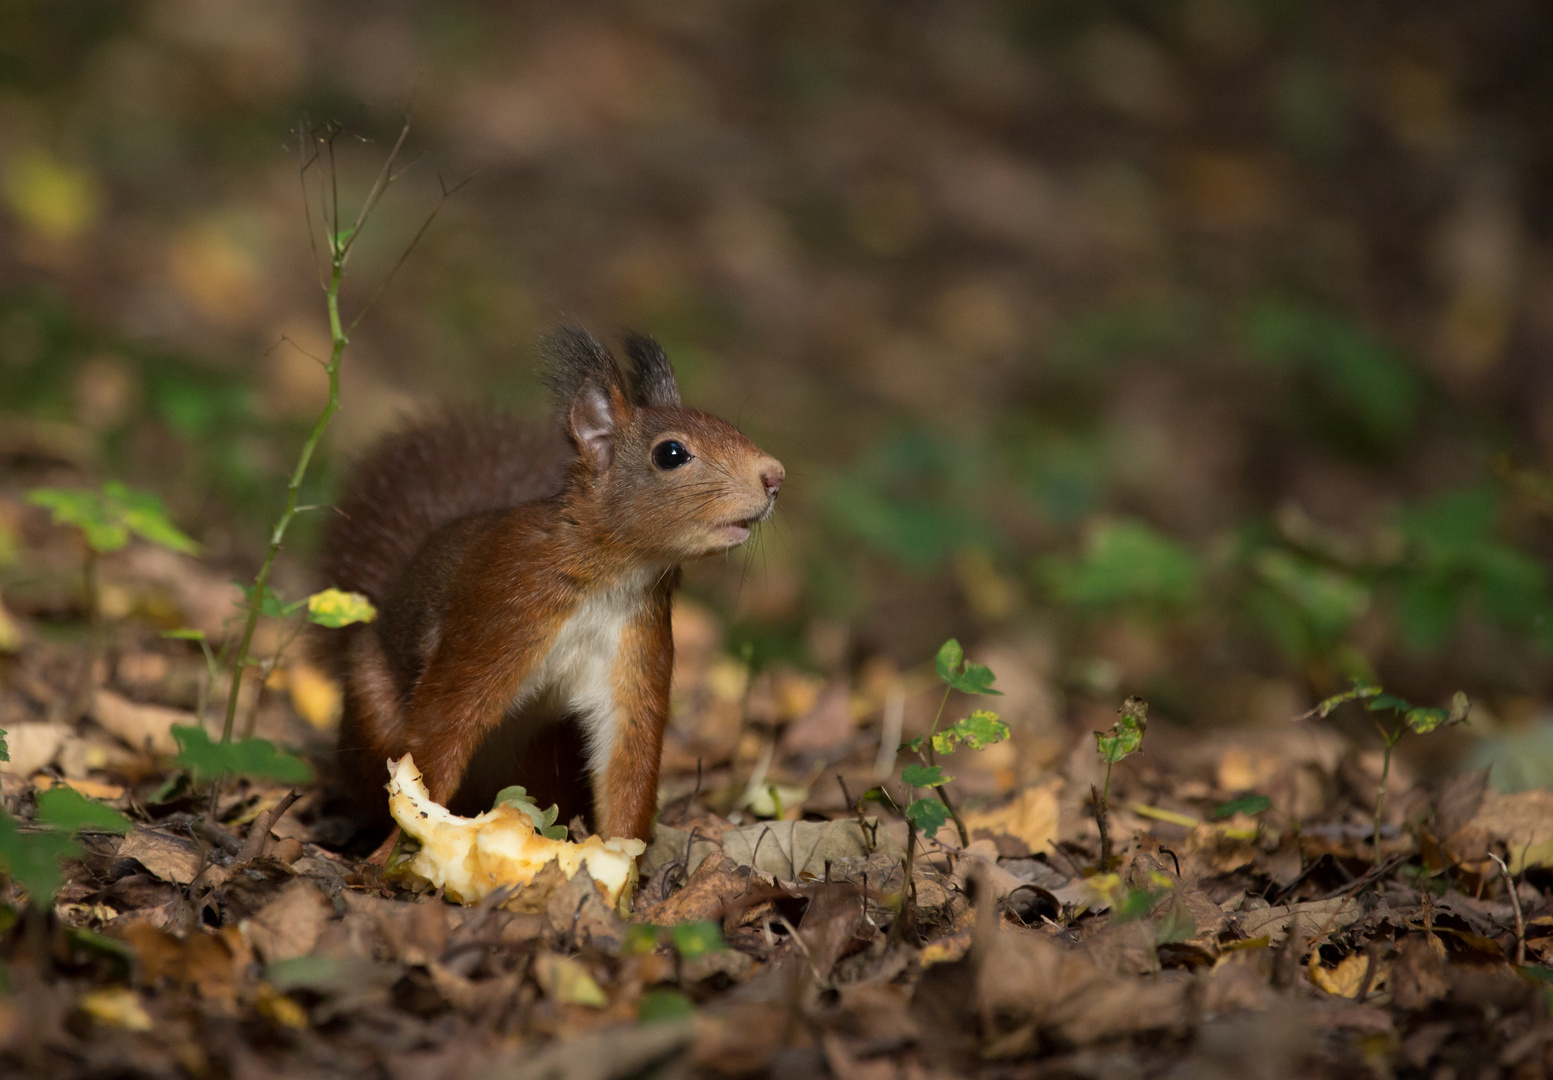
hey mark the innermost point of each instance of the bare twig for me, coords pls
(259, 831)
(1102, 820)
(1515, 906)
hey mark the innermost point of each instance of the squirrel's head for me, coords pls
(668, 481)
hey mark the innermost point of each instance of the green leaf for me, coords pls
(1359, 692)
(544, 820)
(928, 815)
(924, 776)
(977, 731)
(1124, 563)
(1135, 905)
(145, 516)
(641, 938)
(1423, 721)
(662, 1006)
(950, 657)
(1125, 737)
(1327, 599)
(184, 633)
(959, 673)
(32, 859)
(258, 758)
(273, 606)
(333, 608)
(1246, 804)
(66, 809)
(84, 510)
(5, 751)
(695, 939)
(108, 517)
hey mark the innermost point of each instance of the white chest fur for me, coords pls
(579, 669)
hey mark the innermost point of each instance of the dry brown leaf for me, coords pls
(141, 727)
(210, 964)
(289, 925)
(171, 858)
(1031, 818)
(793, 850)
(1348, 977)
(1418, 979)
(1317, 917)
(1523, 823)
(33, 745)
(704, 898)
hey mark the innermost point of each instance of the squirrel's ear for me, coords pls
(590, 394)
(591, 424)
(652, 376)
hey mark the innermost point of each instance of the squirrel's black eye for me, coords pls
(670, 454)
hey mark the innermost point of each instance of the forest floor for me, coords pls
(1246, 927)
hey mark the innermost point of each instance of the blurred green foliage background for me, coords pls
(1194, 347)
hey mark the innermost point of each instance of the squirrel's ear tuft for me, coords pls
(590, 393)
(652, 376)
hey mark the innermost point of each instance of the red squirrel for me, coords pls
(523, 582)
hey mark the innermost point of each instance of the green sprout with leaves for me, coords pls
(979, 730)
(1122, 740)
(544, 820)
(107, 518)
(1418, 719)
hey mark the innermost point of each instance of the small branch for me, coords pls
(259, 831)
(447, 193)
(1515, 905)
(1102, 820)
(1380, 792)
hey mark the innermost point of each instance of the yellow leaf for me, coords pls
(1031, 818)
(1346, 979)
(116, 1006)
(279, 1009)
(334, 608)
(51, 198)
(314, 695)
(565, 979)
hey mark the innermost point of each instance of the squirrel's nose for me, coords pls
(772, 476)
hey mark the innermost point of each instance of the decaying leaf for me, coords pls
(1523, 823)
(1316, 916)
(568, 981)
(1350, 974)
(116, 1006)
(1031, 818)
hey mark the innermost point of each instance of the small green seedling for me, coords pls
(1409, 717)
(1250, 805)
(1124, 739)
(689, 941)
(33, 857)
(977, 731)
(544, 820)
(108, 517)
(205, 759)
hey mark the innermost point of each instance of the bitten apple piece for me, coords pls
(468, 858)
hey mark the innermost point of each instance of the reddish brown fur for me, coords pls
(478, 540)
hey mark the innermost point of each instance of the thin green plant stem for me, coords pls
(1380, 791)
(298, 475)
(932, 759)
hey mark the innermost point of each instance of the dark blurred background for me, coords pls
(1198, 349)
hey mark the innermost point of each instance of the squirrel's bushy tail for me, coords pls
(417, 480)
